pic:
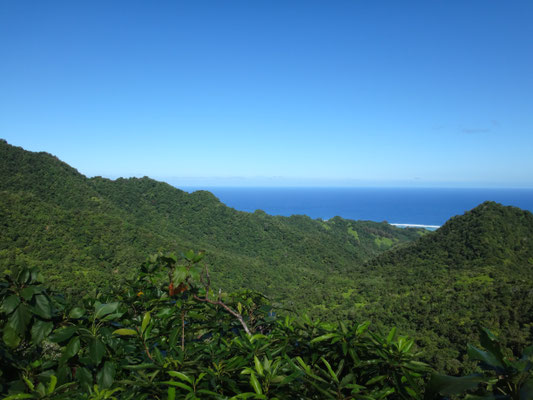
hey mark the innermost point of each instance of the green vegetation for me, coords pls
(91, 233)
(353, 232)
(383, 242)
(88, 236)
(473, 271)
(168, 336)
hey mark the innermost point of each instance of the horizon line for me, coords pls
(210, 186)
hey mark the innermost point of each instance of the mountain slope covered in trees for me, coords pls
(87, 233)
(475, 270)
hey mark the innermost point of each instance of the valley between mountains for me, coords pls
(89, 235)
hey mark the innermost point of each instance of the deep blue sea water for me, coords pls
(427, 206)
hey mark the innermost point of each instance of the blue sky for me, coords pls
(356, 93)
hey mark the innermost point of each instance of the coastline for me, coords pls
(425, 206)
(428, 227)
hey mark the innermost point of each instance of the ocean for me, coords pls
(410, 206)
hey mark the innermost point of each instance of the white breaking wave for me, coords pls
(417, 226)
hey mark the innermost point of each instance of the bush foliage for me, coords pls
(170, 336)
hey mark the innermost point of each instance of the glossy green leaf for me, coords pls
(327, 336)
(417, 365)
(10, 337)
(180, 375)
(198, 257)
(361, 328)
(112, 316)
(35, 275)
(23, 276)
(290, 378)
(391, 335)
(195, 272)
(255, 384)
(145, 322)
(169, 259)
(375, 379)
(85, 378)
(42, 306)
(258, 366)
(41, 389)
(411, 392)
(125, 332)
(490, 342)
(28, 383)
(330, 370)
(96, 351)
(76, 312)
(20, 319)
(200, 377)
(10, 303)
(181, 273)
(450, 385)
(386, 391)
(490, 359)
(171, 393)
(106, 375)
(257, 336)
(52, 384)
(73, 347)
(28, 292)
(102, 310)
(174, 336)
(189, 255)
(62, 334)
(165, 312)
(302, 363)
(63, 374)
(40, 330)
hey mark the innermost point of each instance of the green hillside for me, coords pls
(476, 270)
(92, 234)
(87, 233)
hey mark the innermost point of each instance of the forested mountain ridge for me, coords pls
(488, 233)
(91, 232)
(475, 270)
(52, 218)
(439, 286)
